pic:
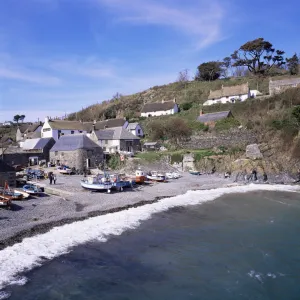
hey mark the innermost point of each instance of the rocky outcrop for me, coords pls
(253, 152)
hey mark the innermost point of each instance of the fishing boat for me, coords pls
(25, 195)
(140, 176)
(32, 189)
(97, 183)
(10, 192)
(194, 172)
(5, 200)
(65, 170)
(172, 175)
(155, 176)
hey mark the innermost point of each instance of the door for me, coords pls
(88, 162)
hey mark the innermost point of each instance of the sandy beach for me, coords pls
(40, 214)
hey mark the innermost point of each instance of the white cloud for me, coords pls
(201, 19)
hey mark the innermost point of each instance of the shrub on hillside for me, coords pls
(186, 106)
(226, 124)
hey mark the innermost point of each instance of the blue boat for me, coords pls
(98, 183)
(32, 189)
(195, 172)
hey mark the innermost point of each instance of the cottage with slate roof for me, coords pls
(7, 173)
(116, 140)
(279, 86)
(231, 94)
(160, 109)
(58, 128)
(76, 151)
(25, 131)
(136, 129)
(210, 119)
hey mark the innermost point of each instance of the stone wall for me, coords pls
(232, 138)
(78, 158)
(21, 158)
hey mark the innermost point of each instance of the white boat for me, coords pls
(172, 175)
(97, 183)
(65, 171)
(155, 176)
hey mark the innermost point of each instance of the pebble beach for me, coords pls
(72, 203)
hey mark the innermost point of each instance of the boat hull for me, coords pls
(96, 187)
(194, 173)
(156, 178)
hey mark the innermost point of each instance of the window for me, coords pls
(56, 153)
(139, 131)
(80, 131)
(62, 154)
(104, 148)
(72, 131)
(106, 142)
(46, 129)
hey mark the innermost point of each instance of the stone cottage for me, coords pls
(160, 108)
(78, 151)
(7, 173)
(279, 86)
(210, 119)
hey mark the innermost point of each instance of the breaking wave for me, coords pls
(33, 251)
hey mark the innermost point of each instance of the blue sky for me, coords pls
(57, 56)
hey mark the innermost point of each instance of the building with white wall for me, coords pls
(136, 129)
(231, 94)
(160, 109)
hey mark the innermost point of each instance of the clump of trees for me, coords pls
(257, 57)
(18, 118)
(172, 129)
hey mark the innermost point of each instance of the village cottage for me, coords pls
(25, 131)
(151, 146)
(210, 119)
(7, 174)
(58, 128)
(279, 86)
(76, 151)
(117, 140)
(160, 108)
(231, 94)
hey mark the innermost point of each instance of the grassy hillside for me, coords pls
(195, 92)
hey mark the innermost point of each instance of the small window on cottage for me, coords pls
(80, 131)
(62, 154)
(46, 129)
(139, 131)
(72, 131)
(56, 153)
(106, 142)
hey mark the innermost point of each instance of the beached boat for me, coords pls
(172, 175)
(97, 183)
(121, 181)
(32, 189)
(195, 172)
(25, 195)
(10, 192)
(155, 176)
(140, 177)
(65, 171)
(5, 200)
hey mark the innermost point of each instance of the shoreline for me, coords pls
(54, 211)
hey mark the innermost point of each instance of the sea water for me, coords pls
(239, 246)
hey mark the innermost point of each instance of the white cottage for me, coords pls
(58, 128)
(160, 108)
(231, 94)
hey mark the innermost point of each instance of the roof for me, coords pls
(109, 123)
(33, 127)
(23, 127)
(66, 125)
(151, 144)
(73, 142)
(4, 167)
(211, 117)
(228, 91)
(5, 139)
(34, 135)
(36, 144)
(289, 81)
(132, 126)
(117, 133)
(158, 106)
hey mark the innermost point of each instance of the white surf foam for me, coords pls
(31, 252)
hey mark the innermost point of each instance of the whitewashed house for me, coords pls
(136, 129)
(58, 128)
(231, 94)
(116, 140)
(160, 108)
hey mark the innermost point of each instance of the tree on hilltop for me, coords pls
(17, 118)
(258, 56)
(183, 76)
(293, 64)
(22, 117)
(209, 71)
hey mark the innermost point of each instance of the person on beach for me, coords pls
(50, 177)
(54, 178)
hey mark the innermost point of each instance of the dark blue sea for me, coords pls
(239, 246)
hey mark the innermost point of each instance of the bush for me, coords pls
(114, 162)
(226, 124)
(186, 106)
(176, 158)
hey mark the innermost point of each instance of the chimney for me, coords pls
(201, 112)
(94, 126)
(162, 101)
